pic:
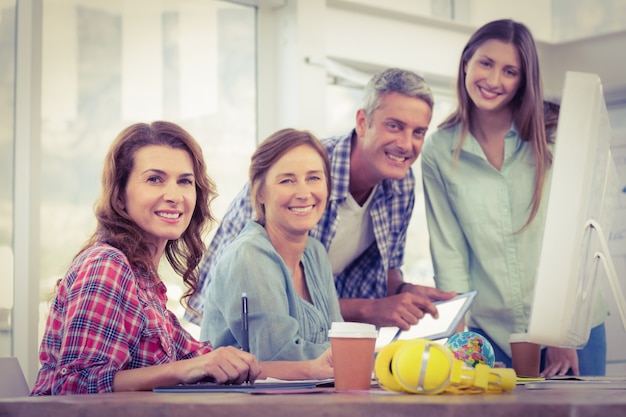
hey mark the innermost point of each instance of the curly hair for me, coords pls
(116, 228)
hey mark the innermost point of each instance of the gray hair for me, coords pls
(395, 80)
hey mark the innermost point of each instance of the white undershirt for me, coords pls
(355, 233)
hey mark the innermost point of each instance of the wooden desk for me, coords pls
(520, 402)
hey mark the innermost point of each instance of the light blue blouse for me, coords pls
(473, 213)
(282, 325)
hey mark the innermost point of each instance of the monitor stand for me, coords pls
(603, 256)
(596, 259)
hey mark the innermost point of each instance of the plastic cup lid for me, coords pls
(352, 329)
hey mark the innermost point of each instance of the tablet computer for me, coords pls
(451, 312)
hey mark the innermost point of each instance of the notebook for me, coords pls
(579, 382)
(259, 386)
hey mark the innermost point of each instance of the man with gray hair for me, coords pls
(371, 201)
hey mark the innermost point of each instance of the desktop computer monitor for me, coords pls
(583, 194)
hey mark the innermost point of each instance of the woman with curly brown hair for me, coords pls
(109, 328)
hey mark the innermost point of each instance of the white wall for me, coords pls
(380, 40)
(536, 14)
(368, 37)
(603, 55)
(616, 329)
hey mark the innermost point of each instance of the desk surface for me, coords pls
(520, 402)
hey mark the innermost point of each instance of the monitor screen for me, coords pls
(583, 194)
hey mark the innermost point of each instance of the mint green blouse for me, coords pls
(473, 213)
(282, 325)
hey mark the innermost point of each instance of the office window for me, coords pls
(7, 112)
(110, 63)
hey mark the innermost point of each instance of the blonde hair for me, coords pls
(271, 150)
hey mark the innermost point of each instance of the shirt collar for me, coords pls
(340, 167)
(473, 147)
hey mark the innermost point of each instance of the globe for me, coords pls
(471, 348)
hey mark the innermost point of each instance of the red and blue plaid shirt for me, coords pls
(107, 316)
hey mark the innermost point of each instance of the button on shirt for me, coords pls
(106, 317)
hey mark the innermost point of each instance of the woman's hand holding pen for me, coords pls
(224, 365)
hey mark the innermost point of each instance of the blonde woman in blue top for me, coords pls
(486, 172)
(285, 273)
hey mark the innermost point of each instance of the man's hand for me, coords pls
(401, 310)
(427, 295)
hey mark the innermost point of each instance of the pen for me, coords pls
(245, 343)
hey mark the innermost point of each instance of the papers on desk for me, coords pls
(579, 382)
(264, 386)
(523, 380)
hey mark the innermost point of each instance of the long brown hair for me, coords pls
(116, 228)
(526, 106)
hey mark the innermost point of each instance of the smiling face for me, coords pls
(391, 140)
(160, 195)
(294, 193)
(493, 75)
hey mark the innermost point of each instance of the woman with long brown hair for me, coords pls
(486, 171)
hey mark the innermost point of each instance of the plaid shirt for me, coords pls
(106, 317)
(366, 276)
